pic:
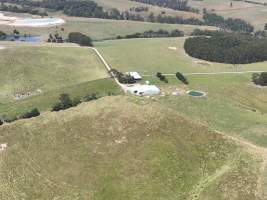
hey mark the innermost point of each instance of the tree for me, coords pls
(76, 101)
(181, 77)
(57, 107)
(80, 39)
(65, 101)
(33, 113)
(162, 77)
(16, 32)
(265, 27)
(260, 79)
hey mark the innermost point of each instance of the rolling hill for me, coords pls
(145, 152)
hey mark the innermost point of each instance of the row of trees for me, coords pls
(154, 34)
(162, 77)
(122, 78)
(139, 9)
(231, 24)
(229, 48)
(27, 115)
(23, 9)
(173, 4)
(65, 102)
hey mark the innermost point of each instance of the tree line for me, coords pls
(23, 9)
(154, 34)
(230, 48)
(229, 24)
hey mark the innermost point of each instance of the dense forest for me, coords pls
(173, 4)
(228, 48)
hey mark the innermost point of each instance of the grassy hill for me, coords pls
(255, 14)
(145, 152)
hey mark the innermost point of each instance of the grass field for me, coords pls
(100, 29)
(124, 5)
(149, 56)
(145, 152)
(255, 14)
(45, 73)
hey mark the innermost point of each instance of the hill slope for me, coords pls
(121, 148)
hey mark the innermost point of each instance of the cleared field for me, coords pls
(146, 152)
(255, 14)
(100, 29)
(149, 56)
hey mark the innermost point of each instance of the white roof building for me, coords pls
(144, 89)
(135, 75)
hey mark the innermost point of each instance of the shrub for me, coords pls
(90, 97)
(181, 77)
(65, 101)
(260, 79)
(10, 119)
(1, 122)
(57, 107)
(33, 113)
(76, 102)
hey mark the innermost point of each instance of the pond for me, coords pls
(23, 38)
(196, 93)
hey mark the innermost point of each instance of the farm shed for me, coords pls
(135, 75)
(144, 89)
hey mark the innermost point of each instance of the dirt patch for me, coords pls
(24, 95)
(202, 62)
(3, 146)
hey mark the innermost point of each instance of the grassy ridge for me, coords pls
(145, 152)
(255, 14)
